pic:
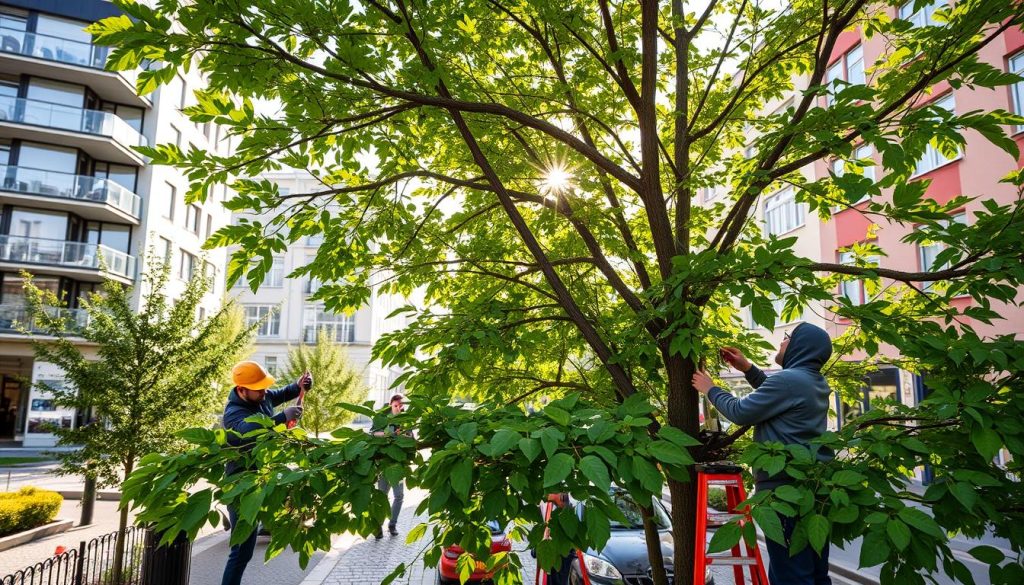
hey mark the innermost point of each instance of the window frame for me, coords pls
(930, 151)
(842, 65)
(787, 193)
(1015, 64)
(270, 317)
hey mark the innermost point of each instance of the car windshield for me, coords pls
(629, 508)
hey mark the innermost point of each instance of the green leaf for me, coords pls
(251, 503)
(595, 470)
(787, 493)
(502, 441)
(768, 520)
(677, 437)
(964, 493)
(197, 509)
(986, 441)
(874, 550)
(600, 431)
(416, 533)
(648, 474)
(848, 477)
(599, 528)
(817, 531)
(899, 533)
(462, 477)
(921, 521)
(530, 448)
(557, 414)
(727, 536)
(989, 555)
(668, 453)
(763, 312)
(558, 468)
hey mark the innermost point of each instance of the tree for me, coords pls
(154, 372)
(573, 137)
(337, 381)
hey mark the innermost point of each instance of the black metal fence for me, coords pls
(92, 563)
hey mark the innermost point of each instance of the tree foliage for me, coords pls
(337, 382)
(535, 168)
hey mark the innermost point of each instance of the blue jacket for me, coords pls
(237, 410)
(791, 406)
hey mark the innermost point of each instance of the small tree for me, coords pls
(337, 381)
(153, 373)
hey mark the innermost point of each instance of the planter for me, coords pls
(36, 533)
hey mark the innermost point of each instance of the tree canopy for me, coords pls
(534, 166)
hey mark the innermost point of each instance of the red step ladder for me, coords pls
(727, 476)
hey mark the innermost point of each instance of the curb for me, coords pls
(339, 546)
(36, 533)
(100, 495)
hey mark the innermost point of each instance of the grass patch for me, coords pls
(16, 460)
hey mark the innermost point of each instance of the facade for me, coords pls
(976, 171)
(288, 318)
(77, 204)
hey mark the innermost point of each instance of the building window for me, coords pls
(275, 276)
(183, 96)
(782, 213)
(165, 250)
(338, 327)
(928, 252)
(933, 158)
(187, 266)
(862, 155)
(315, 240)
(193, 218)
(854, 290)
(1017, 66)
(922, 16)
(172, 195)
(209, 225)
(206, 129)
(270, 364)
(849, 68)
(177, 136)
(266, 316)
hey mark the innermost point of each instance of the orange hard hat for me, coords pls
(251, 375)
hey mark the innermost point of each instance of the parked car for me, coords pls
(448, 574)
(623, 560)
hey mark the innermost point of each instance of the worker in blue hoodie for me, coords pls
(790, 407)
(250, 396)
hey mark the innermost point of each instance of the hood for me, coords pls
(809, 347)
(627, 550)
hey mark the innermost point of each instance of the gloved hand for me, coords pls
(305, 381)
(292, 413)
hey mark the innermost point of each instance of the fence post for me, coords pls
(80, 565)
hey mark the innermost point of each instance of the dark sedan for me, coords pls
(623, 561)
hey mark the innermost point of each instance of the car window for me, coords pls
(629, 508)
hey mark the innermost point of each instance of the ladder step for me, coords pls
(724, 482)
(731, 561)
(723, 518)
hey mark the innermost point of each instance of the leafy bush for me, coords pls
(717, 499)
(27, 508)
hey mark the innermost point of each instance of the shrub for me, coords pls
(27, 508)
(717, 499)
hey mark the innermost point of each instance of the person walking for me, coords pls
(251, 395)
(790, 407)
(398, 490)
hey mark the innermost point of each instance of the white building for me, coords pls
(290, 318)
(77, 204)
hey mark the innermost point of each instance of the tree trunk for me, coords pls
(122, 529)
(683, 413)
(654, 547)
(88, 500)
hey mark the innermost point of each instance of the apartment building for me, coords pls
(975, 171)
(78, 205)
(288, 318)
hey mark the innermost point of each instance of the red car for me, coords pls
(448, 574)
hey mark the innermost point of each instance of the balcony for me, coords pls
(76, 259)
(15, 318)
(340, 333)
(67, 60)
(95, 198)
(102, 134)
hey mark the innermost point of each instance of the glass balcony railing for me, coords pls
(15, 317)
(50, 115)
(66, 254)
(56, 49)
(340, 333)
(69, 186)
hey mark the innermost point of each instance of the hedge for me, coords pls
(27, 508)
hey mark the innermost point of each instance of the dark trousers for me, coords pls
(805, 568)
(396, 504)
(240, 553)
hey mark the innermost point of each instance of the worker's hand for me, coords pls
(735, 358)
(305, 381)
(292, 413)
(702, 382)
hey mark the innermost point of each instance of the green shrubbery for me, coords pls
(27, 508)
(717, 499)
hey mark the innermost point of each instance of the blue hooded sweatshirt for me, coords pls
(790, 407)
(238, 409)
